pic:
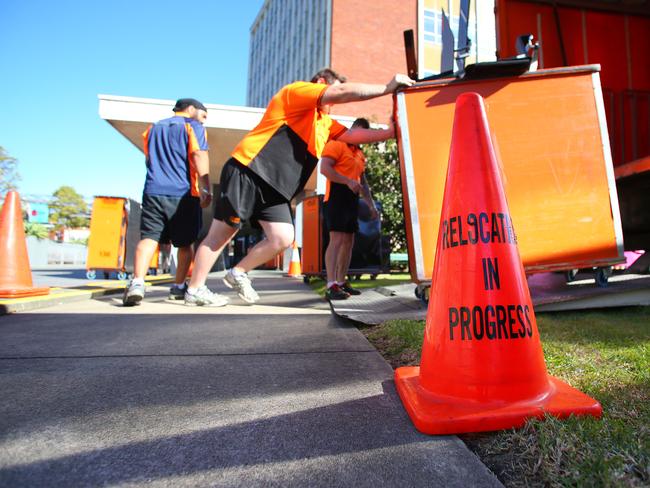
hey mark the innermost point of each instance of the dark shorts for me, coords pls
(342, 209)
(175, 219)
(246, 196)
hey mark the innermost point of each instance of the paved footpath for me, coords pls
(279, 394)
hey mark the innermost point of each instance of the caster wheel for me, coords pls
(422, 293)
(122, 275)
(425, 295)
(570, 275)
(91, 274)
(602, 276)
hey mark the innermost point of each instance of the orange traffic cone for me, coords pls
(15, 272)
(482, 364)
(295, 271)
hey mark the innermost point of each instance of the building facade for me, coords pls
(289, 41)
(361, 39)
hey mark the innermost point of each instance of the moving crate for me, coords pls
(114, 234)
(550, 132)
(370, 254)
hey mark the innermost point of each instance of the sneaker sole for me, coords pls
(190, 304)
(132, 301)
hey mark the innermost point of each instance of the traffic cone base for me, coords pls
(441, 415)
(482, 366)
(23, 292)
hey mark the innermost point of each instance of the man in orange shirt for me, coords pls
(344, 167)
(270, 166)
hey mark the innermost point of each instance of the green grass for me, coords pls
(319, 285)
(605, 354)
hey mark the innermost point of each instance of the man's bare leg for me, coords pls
(333, 253)
(184, 260)
(279, 236)
(134, 292)
(343, 261)
(143, 254)
(208, 251)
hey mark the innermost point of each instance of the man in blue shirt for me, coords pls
(177, 186)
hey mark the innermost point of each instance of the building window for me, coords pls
(432, 25)
(433, 28)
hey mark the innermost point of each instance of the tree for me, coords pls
(383, 175)
(8, 172)
(36, 230)
(68, 209)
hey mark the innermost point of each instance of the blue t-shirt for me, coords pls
(168, 145)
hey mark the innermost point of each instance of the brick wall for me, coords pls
(368, 46)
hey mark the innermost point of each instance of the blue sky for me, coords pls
(56, 57)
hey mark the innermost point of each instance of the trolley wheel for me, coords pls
(570, 275)
(122, 275)
(91, 274)
(602, 276)
(422, 293)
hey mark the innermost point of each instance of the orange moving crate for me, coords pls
(550, 132)
(114, 233)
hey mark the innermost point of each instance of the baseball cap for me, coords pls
(183, 103)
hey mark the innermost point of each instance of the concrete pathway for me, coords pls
(279, 394)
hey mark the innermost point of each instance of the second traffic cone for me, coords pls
(15, 272)
(482, 365)
(295, 270)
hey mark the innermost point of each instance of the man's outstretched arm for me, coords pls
(355, 92)
(358, 135)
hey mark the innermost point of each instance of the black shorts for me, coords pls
(342, 209)
(175, 219)
(246, 196)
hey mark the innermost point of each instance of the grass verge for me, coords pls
(605, 354)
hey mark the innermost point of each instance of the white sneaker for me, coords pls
(204, 297)
(133, 294)
(242, 285)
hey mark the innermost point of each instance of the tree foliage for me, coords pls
(383, 175)
(8, 172)
(36, 230)
(68, 209)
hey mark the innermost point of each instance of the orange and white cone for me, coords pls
(295, 270)
(15, 272)
(482, 364)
